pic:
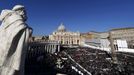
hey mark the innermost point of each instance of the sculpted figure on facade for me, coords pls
(14, 35)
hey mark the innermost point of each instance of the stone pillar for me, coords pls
(58, 47)
(55, 48)
(52, 49)
(47, 48)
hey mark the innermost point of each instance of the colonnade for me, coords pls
(38, 48)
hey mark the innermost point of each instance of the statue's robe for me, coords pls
(14, 35)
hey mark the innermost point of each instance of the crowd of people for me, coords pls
(100, 62)
(96, 62)
(48, 64)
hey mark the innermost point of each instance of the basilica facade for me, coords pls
(65, 37)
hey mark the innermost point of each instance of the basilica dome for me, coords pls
(61, 27)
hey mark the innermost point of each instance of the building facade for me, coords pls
(124, 34)
(90, 38)
(65, 37)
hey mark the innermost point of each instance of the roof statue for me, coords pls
(14, 35)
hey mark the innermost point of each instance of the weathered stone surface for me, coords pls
(14, 34)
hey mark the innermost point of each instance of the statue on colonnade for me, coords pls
(14, 37)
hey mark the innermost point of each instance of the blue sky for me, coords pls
(44, 16)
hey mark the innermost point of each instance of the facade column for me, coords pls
(52, 49)
(47, 48)
(58, 47)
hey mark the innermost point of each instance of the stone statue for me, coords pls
(14, 35)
